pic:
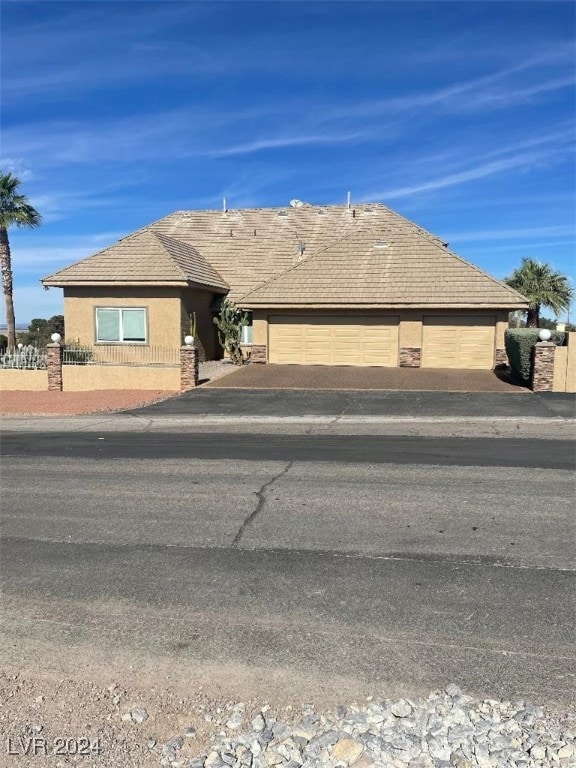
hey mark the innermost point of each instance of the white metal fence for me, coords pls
(24, 358)
(122, 354)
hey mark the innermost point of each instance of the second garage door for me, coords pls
(332, 340)
(458, 342)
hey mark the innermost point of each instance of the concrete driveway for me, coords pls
(356, 378)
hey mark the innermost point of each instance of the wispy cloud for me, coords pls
(526, 247)
(17, 166)
(286, 141)
(495, 91)
(522, 155)
(554, 231)
(455, 179)
(135, 46)
(46, 255)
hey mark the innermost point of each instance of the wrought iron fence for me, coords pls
(122, 354)
(24, 358)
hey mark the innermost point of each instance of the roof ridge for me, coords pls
(188, 246)
(96, 253)
(160, 237)
(305, 207)
(295, 266)
(445, 249)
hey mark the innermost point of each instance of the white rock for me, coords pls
(346, 751)
(139, 715)
(212, 759)
(401, 708)
(258, 724)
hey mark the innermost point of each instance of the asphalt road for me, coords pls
(402, 562)
(278, 403)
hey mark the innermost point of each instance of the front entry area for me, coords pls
(333, 340)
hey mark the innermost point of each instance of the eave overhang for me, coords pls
(131, 283)
(500, 307)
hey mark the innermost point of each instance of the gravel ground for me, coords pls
(28, 403)
(319, 377)
(116, 728)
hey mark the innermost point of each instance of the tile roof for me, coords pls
(145, 257)
(311, 255)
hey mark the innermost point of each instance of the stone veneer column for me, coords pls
(410, 357)
(259, 353)
(543, 370)
(188, 368)
(54, 367)
(501, 359)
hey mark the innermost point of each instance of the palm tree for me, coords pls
(543, 287)
(14, 210)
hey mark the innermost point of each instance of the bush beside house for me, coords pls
(519, 343)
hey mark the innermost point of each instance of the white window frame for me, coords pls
(247, 331)
(121, 340)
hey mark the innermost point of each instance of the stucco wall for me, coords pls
(200, 301)
(163, 305)
(31, 381)
(565, 366)
(501, 326)
(410, 329)
(260, 327)
(82, 378)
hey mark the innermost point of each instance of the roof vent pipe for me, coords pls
(224, 208)
(348, 200)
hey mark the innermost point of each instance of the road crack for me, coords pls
(261, 496)
(315, 430)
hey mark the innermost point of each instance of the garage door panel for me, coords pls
(458, 342)
(333, 340)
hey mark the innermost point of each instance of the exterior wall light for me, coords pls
(544, 334)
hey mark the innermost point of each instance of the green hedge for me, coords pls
(519, 343)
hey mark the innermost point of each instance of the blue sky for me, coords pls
(459, 115)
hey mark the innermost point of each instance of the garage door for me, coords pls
(328, 340)
(458, 342)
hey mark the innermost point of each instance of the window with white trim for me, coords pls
(246, 337)
(124, 325)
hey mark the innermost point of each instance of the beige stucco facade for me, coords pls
(200, 301)
(24, 381)
(167, 313)
(169, 309)
(565, 366)
(163, 312)
(85, 378)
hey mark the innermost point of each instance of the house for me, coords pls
(326, 285)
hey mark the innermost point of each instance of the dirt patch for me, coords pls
(23, 403)
(31, 403)
(74, 696)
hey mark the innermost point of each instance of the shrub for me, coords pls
(28, 358)
(519, 343)
(3, 342)
(77, 354)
